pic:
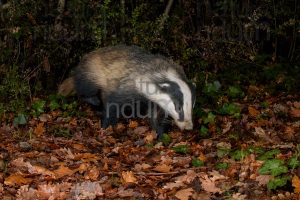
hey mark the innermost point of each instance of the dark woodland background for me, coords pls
(236, 42)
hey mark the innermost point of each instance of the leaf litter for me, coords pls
(129, 162)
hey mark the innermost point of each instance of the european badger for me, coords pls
(119, 77)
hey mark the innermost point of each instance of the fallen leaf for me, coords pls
(263, 179)
(39, 170)
(227, 127)
(202, 157)
(120, 128)
(63, 171)
(140, 130)
(48, 191)
(173, 185)
(188, 178)
(126, 193)
(92, 174)
(296, 184)
(73, 122)
(87, 157)
(208, 185)
(297, 104)
(163, 168)
(79, 147)
(39, 129)
(54, 191)
(128, 177)
(239, 196)
(141, 167)
(26, 193)
(295, 112)
(44, 117)
(150, 137)
(289, 133)
(253, 112)
(202, 196)
(184, 194)
(86, 190)
(133, 124)
(216, 176)
(82, 167)
(17, 179)
(262, 134)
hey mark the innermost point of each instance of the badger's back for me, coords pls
(117, 68)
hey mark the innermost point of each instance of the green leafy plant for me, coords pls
(203, 132)
(197, 162)
(239, 154)
(230, 109)
(294, 161)
(273, 167)
(269, 154)
(209, 119)
(165, 139)
(223, 151)
(14, 91)
(222, 165)
(278, 182)
(21, 119)
(212, 89)
(234, 92)
(38, 107)
(183, 149)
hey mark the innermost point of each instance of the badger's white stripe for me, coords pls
(186, 91)
(145, 86)
(152, 92)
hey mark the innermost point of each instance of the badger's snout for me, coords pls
(188, 125)
(185, 125)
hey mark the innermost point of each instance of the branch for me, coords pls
(166, 14)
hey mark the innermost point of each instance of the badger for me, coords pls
(120, 77)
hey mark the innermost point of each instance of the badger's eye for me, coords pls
(164, 86)
(178, 108)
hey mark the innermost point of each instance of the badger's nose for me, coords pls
(188, 125)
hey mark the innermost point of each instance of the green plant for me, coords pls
(38, 107)
(20, 119)
(203, 132)
(212, 89)
(222, 165)
(275, 168)
(209, 119)
(14, 91)
(234, 92)
(230, 109)
(269, 154)
(183, 149)
(197, 162)
(239, 154)
(165, 139)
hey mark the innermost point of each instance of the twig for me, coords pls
(165, 15)
(160, 173)
(61, 6)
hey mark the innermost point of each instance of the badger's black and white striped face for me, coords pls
(173, 95)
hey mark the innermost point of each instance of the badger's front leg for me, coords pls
(159, 120)
(110, 113)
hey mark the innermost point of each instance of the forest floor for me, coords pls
(253, 156)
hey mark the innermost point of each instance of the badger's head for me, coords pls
(173, 94)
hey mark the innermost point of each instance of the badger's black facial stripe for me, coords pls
(173, 90)
(192, 86)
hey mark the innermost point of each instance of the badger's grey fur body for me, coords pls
(129, 76)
